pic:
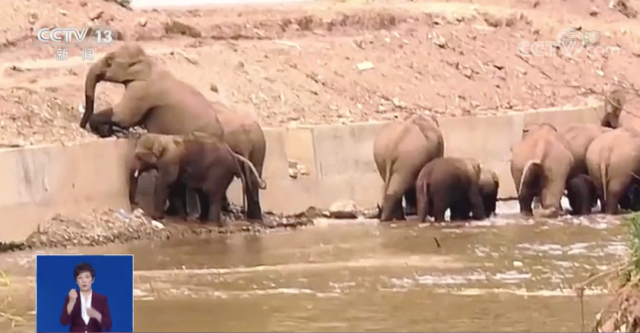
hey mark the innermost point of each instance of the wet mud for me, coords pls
(99, 228)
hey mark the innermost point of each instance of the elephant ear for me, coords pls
(158, 148)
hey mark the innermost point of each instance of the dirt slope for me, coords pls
(324, 62)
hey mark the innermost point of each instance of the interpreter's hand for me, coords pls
(73, 295)
(93, 313)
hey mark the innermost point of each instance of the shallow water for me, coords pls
(503, 274)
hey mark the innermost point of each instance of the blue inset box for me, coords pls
(84, 293)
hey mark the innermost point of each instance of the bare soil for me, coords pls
(322, 62)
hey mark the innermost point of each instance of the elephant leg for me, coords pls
(398, 212)
(410, 201)
(440, 206)
(475, 201)
(552, 194)
(215, 209)
(161, 194)
(525, 201)
(489, 200)
(205, 206)
(392, 208)
(254, 210)
(424, 208)
(460, 211)
(579, 196)
(226, 204)
(634, 198)
(392, 200)
(626, 200)
(615, 190)
(177, 200)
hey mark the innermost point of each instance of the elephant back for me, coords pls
(406, 146)
(580, 136)
(429, 127)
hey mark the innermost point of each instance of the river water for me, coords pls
(503, 274)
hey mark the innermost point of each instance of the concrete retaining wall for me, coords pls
(40, 181)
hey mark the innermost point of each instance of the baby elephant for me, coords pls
(488, 186)
(203, 163)
(582, 194)
(449, 183)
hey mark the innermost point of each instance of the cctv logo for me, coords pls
(99, 35)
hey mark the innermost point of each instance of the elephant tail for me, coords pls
(245, 187)
(531, 170)
(425, 201)
(388, 165)
(603, 178)
(261, 183)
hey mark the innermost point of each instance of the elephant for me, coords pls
(582, 194)
(540, 166)
(449, 183)
(153, 98)
(613, 160)
(202, 162)
(489, 186)
(614, 114)
(579, 136)
(163, 104)
(400, 150)
(246, 138)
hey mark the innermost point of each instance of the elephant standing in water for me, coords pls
(613, 160)
(400, 151)
(581, 190)
(449, 183)
(540, 167)
(489, 185)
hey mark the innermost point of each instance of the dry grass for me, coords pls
(7, 312)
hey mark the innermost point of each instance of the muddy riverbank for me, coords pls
(99, 228)
(494, 275)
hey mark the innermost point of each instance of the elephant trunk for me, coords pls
(94, 76)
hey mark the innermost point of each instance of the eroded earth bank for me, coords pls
(328, 63)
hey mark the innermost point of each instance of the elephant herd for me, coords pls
(187, 136)
(409, 156)
(197, 146)
(587, 163)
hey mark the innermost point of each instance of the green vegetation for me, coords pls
(633, 222)
(622, 314)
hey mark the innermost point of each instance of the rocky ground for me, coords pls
(119, 226)
(323, 62)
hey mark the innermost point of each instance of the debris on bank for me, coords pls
(94, 229)
(111, 226)
(622, 314)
